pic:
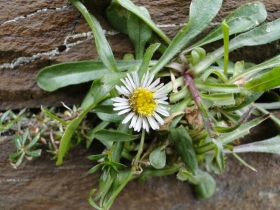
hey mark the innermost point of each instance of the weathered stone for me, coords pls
(36, 34)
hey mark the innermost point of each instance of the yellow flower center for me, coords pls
(142, 102)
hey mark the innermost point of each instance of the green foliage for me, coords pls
(210, 99)
(25, 146)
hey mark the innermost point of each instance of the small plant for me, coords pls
(177, 114)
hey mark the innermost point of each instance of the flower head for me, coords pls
(141, 101)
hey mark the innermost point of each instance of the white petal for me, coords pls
(133, 121)
(153, 123)
(138, 124)
(145, 124)
(144, 79)
(126, 91)
(119, 89)
(121, 104)
(128, 117)
(124, 111)
(131, 81)
(127, 84)
(155, 83)
(159, 86)
(161, 102)
(150, 80)
(159, 119)
(121, 107)
(118, 99)
(162, 111)
(135, 78)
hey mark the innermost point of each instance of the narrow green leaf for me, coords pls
(139, 32)
(137, 11)
(96, 157)
(35, 153)
(225, 28)
(34, 141)
(51, 115)
(221, 99)
(3, 117)
(70, 129)
(243, 162)
(17, 141)
(219, 154)
(183, 144)
(201, 14)
(258, 36)
(216, 87)
(19, 161)
(232, 136)
(248, 100)
(102, 45)
(91, 202)
(264, 82)
(60, 75)
(242, 19)
(95, 168)
(146, 60)
(254, 70)
(157, 158)
(271, 145)
(14, 155)
(110, 135)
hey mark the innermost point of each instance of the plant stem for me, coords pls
(129, 176)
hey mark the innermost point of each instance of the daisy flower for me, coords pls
(141, 102)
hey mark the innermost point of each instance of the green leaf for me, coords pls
(220, 99)
(242, 19)
(225, 28)
(271, 145)
(34, 141)
(91, 202)
(146, 60)
(111, 135)
(109, 117)
(219, 154)
(117, 16)
(96, 157)
(17, 141)
(60, 75)
(206, 188)
(95, 168)
(102, 46)
(157, 158)
(232, 136)
(183, 144)
(216, 87)
(201, 14)
(35, 153)
(70, 129)
(264, 82)
(139, 32)
(3, 117)
(19, 161)
(248, 100)
(14, 155)
(137, 11)
(247, 74)
(258, 36)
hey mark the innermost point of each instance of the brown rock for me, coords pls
(36, 34)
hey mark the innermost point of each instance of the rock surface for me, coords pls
(36, 34)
